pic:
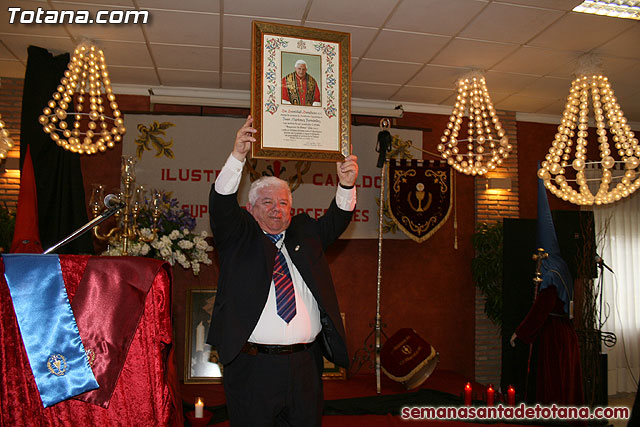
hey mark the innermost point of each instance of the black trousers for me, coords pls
(275, 389)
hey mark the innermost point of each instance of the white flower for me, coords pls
(185, 244)
(181, 246)
(195, 267)
(146, 233)
(165, 253)
(145, 249)
(201, 244)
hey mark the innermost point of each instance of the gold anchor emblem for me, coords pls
(420, 196)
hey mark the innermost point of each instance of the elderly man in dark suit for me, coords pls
(276, 311)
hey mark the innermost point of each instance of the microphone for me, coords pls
(111, 201)
(601, 263)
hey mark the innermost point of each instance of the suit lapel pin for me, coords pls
(297, 248)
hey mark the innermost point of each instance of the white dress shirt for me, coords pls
(305, 325)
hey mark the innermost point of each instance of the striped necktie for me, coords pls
(285, 294)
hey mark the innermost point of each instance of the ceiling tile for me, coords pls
(581, 32)
(360, 36)
(623, 76)
(133, 75)
(525, 104)
(438, 76)
(473, 54)
(236, 60)
(399, 46)
(61, 4)
(373, 90)
(507, 82)
(351, 12)
(4, 52)
(534, 60)
(238, 81)
(423, 95)
(373, 71)
(610, 66)
(290, 9)
(94, 31)
(434, 16)
(20, 43)
(188, 78)
(126, 54)
(547, 87)
(11, 68)
(201, 29)
(555, 109)
(509, 23)
(30, 8)
(565, 5)
(625, 45)
(191, 5)
(188, 57)
(237, 30)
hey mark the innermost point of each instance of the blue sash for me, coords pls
(48, 327)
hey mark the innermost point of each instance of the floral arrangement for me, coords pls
(175, 242)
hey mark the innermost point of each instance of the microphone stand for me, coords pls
(80, 231)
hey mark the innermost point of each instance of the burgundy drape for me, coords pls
(146, 392)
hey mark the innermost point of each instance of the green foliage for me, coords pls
(150, 137)
(486, 268)
(7, 225)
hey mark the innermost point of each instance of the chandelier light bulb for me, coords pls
(486, 145)
(6, 143)
(566, 178)
(87, 78)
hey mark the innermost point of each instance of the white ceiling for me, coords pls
(407, 52)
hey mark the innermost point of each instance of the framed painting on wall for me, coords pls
(332, 371)
(201, 364)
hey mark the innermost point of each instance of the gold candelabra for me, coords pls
(128, 202)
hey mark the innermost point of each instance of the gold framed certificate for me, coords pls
(300, 93)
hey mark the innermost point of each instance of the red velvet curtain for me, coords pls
(146, 393)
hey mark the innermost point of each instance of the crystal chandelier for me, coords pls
(565, 177)
(486, 143)
(6, 143)
(83, 85)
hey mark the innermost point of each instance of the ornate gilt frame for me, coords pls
(300, 132)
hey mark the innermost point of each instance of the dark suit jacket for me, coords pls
(247, 257)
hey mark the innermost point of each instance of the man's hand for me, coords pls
(348, 170)
(512, 341)
(244, 139)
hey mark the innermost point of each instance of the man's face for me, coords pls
(272, 210)
(301, 70)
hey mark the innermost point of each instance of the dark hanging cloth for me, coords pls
(59, 184)
(557, 372)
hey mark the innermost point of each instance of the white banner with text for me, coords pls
(184, 154)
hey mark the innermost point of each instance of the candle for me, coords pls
(467, 394)
(490, 395)
(199, 407)
(511, 396)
